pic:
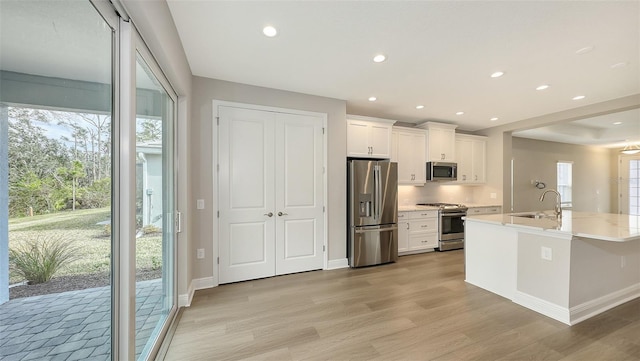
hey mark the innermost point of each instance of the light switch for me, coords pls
(200, 204)
(546, 253)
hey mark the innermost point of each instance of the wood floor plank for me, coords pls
(419, 308)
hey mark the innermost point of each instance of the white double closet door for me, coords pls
(271, 193)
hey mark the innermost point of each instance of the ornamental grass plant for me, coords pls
(38, 260)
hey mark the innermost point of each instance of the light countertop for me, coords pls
(413, 207)
(480, 205)
(410, 208)
(600, 226)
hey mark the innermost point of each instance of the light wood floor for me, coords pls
(419, 308)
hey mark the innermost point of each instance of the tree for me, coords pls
(150, 130)
(92, 131)
(33, 162)
(73, 173)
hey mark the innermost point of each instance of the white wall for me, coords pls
(499, 142)
(618, 269)
(205, 90)
(435, 192)
(544, 279)
(592, 177)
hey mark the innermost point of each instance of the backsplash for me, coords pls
(434, 192)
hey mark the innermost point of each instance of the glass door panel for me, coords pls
(155, 295)
(56, 61)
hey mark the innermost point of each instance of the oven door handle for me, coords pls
(453, 214)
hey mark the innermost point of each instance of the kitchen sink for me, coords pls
(538, 215)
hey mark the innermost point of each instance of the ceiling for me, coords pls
(439, 54)
(614, 130)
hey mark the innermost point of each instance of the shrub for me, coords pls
(38, 260)
(151, 229)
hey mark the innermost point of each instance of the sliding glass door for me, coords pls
(87, 183)
(56, 111)
(155, 206)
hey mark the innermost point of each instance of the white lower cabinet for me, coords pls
(474, 211)
(417, 231)
(403, 232)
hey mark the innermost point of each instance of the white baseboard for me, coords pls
(546, 308)
(184, 300)
(591, 308)
(337, 263)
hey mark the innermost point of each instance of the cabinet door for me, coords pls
(358, 138)
(422, 240)
(442, 144)
(479, 161)
(403, 235)
(464, 149)
(405, 158)
(425, 225)
(448, 144)
(418, 157)
(408, 149)
(380, 140)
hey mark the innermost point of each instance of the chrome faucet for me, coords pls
(558, 208)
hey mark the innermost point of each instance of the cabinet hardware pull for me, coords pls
(270, 214)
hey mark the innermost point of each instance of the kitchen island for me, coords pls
(569, 269)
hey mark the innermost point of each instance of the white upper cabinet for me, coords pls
(368, 137)
(408, 148)
(471, 153)
(441, 141)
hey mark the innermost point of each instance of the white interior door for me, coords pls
(299, 193)
(246, 194)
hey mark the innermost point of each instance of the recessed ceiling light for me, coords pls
(372, 99)
(493, 119)
(459, 113)
(419, 106)
(270, 31)
(578, 97)
(543, 87)
(379, 58)
(497, 74)
(584, 50)
(617, 123)
(619, 65)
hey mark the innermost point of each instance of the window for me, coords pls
(564, 183)
(634, 187)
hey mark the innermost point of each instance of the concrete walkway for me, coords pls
(72, 325)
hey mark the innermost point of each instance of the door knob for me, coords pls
(280, 214)
(270, 214)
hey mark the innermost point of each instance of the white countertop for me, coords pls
(479, 205)
(600, 226)
(413, 207)
(410, 208)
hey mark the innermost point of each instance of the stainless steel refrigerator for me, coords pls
(372, 212)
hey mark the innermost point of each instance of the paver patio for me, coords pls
(72, 325)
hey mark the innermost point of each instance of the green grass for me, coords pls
(80, 227)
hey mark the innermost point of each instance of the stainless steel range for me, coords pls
(451, 225)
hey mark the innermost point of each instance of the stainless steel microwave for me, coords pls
(441, 171)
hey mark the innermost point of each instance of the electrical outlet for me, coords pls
(200, 204)
(493, 195)
(546, 253)
(200, 253)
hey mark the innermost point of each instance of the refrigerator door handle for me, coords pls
(367, 230)
(376, 190)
